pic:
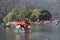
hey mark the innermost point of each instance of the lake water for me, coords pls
(39, 32)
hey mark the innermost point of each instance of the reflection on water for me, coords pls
(17, 37)
(7, 31)
(22, 37)
(27, 36)
(39, 32)
(56, 28)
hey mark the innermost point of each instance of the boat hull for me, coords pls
(19, 31)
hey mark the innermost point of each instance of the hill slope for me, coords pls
(51, 5)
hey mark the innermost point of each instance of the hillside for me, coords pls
(53, 6)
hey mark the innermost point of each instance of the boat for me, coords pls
(19, 31)
(22, 27)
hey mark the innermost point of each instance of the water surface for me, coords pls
(39, 32)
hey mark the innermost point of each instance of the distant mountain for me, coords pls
(53, 6)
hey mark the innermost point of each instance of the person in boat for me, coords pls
(25, 27)
(18, 27)
(28, 26)
(57, 21)
(7, 24)
(22, 28)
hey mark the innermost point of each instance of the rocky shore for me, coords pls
(41, 22)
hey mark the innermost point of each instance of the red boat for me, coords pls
(24, 22)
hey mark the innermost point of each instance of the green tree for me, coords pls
(33, 15)
(22, 13)
(10, 16)
(45, 15)
(33, 18)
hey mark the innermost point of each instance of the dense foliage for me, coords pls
(33, 15)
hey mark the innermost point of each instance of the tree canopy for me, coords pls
(33, 15)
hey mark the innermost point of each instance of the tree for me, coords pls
(41, 14)
(10, 16)
(33, 18)
(45, 15)
(33, 15)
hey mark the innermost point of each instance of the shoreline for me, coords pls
(41, 22)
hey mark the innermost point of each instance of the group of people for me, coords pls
(23, 28)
